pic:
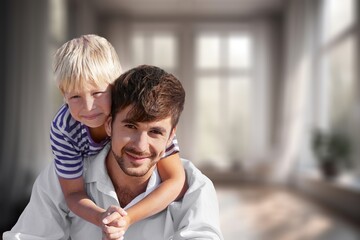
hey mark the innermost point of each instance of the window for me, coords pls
(338, 59)
(157, 48)
(223, 63)
(225, 120)
(338, 62)
(338, 16)
(340, 75)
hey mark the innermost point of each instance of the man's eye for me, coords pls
(156, 132)
(130, 126)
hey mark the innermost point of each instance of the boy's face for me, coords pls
(92, 106)
(138, 146)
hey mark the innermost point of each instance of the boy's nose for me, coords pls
(89, 103)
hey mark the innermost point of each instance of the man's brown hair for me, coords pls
(153, 94)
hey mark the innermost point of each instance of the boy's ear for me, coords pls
(172, 134)
(108, 126)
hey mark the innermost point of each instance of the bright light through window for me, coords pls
(155, 48)
(338, 16)
(208, 52)
(209, 120)
(164, 51)
(339, 61)
(341, 69)
(224, 87)
(239, 52)
(238, 117)
(138, 47)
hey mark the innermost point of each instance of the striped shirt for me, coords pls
(71, 143)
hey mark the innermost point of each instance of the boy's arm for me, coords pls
(79, 202)
(173, 187)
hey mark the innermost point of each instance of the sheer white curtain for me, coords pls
(300, 33)
(25, 115)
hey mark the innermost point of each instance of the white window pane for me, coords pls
(164, 51)
(208, 52)
(138, 49)
(238, 117)
(240, 54)
(209, 120)
(341, 67)
(338, 15)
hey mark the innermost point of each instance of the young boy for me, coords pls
(85, 68)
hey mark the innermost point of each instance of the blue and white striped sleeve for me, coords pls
(68, 159)
(173, 148)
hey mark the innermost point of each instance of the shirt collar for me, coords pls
(95, 168)
(95, 171)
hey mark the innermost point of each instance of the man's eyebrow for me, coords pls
(158, 128)
(127, 120)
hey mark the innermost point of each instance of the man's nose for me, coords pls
(141, 141)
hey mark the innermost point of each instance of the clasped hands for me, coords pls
(115, 222)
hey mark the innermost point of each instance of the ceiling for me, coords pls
(194, 8)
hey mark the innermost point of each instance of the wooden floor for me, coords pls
(263, 213)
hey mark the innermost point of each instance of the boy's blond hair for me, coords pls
(84, 62)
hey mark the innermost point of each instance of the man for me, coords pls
(146, 106)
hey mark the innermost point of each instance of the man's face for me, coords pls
(138, 146)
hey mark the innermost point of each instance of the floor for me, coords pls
(263, 213)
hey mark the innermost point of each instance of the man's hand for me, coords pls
(114, 223)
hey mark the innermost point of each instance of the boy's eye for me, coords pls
(97, 94)
(75, 97)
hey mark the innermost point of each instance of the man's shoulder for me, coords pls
(46, 189)
(195, 178)
(47, 181)
(198, 207)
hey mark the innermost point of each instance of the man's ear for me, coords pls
(108, 126)
(171, 137)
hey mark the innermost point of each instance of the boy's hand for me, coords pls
(113, 213)
(114, 223)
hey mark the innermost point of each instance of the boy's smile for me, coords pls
(90, 107)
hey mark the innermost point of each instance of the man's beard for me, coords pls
(132, 170)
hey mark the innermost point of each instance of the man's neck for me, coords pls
(127, 187)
